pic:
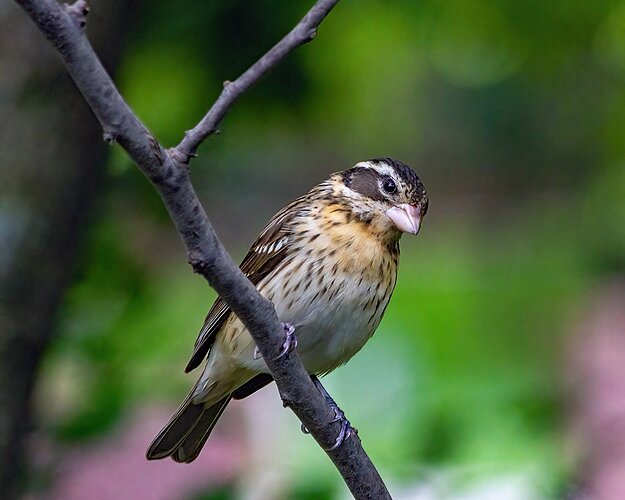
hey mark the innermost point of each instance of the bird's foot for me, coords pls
(346, 428)
(290, 342)
(339, 416)
(344, 433)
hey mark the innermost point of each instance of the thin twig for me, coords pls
(168, 172)
(303, 32)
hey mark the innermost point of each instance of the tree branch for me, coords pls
(64, 25)
(303, 32)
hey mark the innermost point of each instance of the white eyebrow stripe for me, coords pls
(384, 169)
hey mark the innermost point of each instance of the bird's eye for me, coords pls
(389, 185)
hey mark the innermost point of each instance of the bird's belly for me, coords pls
(333, 332)
(333, 317)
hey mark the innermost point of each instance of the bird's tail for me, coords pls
(185, 434)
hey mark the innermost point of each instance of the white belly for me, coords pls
(333, 316)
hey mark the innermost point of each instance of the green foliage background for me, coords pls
(512, 114)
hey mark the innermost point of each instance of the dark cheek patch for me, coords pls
(366, 182)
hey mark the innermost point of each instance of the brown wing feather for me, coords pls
(271, 246)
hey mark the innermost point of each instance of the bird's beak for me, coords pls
(407, 218)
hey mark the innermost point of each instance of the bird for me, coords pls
(328, 263)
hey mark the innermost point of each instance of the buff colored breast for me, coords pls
(336, 295)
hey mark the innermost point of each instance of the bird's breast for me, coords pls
(334, 290)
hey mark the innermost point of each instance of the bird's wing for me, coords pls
(271, 246)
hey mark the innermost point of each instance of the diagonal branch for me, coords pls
(167, 170)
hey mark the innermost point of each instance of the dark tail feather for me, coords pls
(187, 431)
(193, 443)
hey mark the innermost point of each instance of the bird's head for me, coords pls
(385, 194)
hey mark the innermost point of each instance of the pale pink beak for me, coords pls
(407, 218)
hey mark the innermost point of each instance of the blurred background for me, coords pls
(499, 369)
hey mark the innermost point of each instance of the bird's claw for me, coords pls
(346, 427)
(290, 342)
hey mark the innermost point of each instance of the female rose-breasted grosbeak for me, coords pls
(328, 262)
